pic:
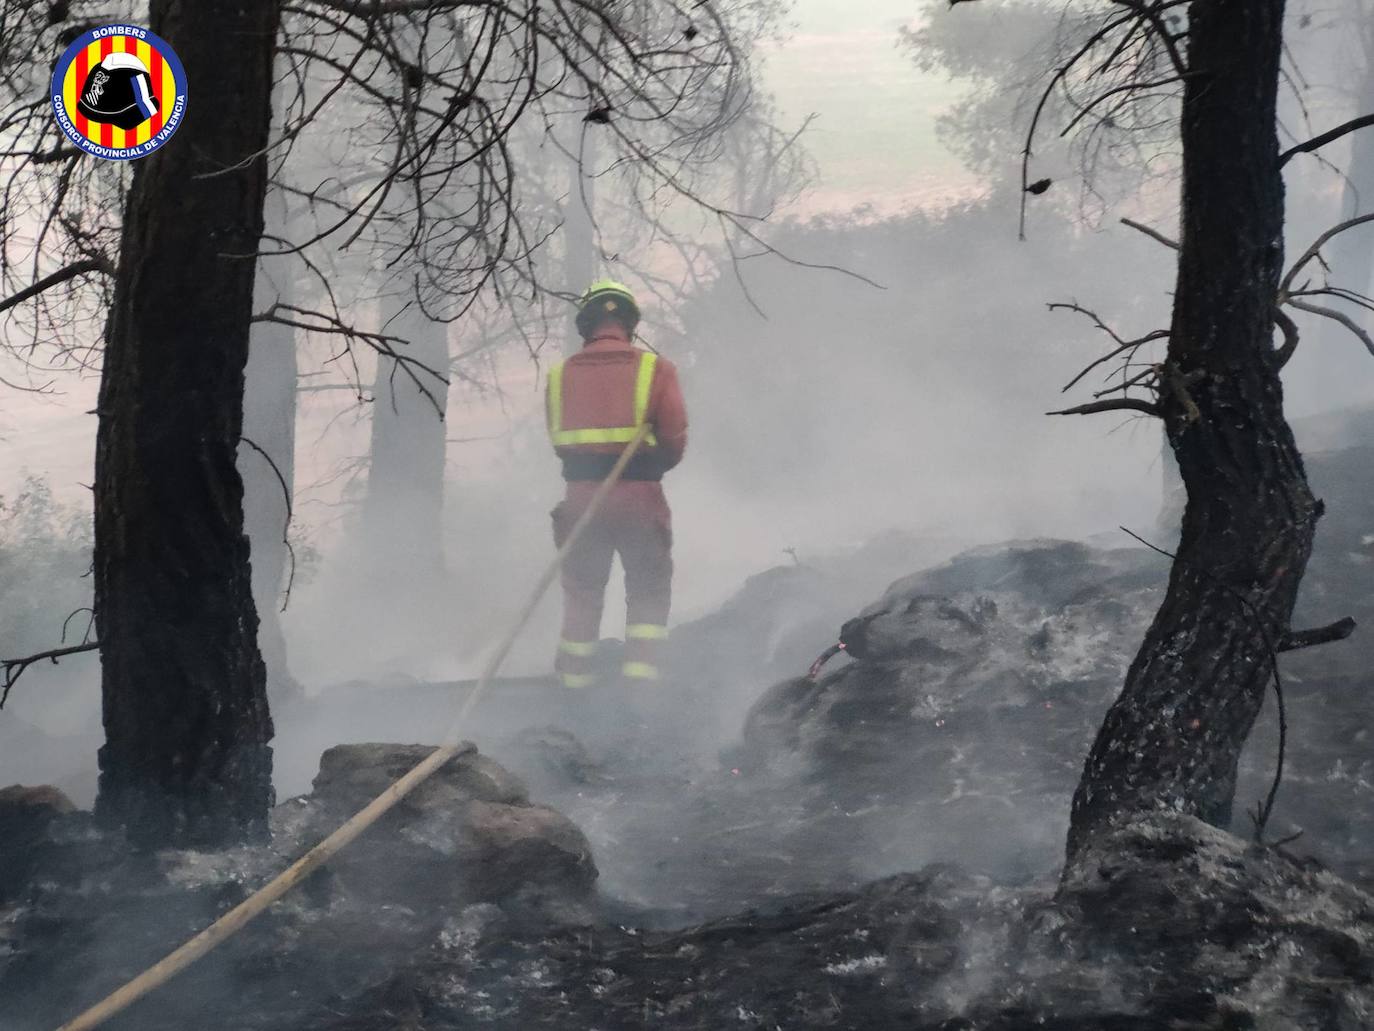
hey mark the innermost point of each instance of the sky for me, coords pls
(873, 136)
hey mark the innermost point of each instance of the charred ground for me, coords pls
(766, 886)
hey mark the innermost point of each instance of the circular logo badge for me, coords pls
(119, 92)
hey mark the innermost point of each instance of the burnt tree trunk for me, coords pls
(186, 759)
(1173, 738)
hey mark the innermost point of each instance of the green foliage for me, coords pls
(45, 559)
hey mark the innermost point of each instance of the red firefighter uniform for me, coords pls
(596, 402)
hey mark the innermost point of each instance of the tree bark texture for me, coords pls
(1173, 739)
(186, 760)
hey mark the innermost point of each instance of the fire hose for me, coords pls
(237, 918)
(823, 658)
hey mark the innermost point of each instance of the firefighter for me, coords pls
(596, 402)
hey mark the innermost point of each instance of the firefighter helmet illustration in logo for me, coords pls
(119, 92)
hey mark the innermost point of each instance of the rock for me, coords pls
(352, 775)
(43, 802)
(773, 727)
(780, 620)
(511, 847)
(468, 839)
(957, 730)
(468, 834)
(27, 814)
(974, 690)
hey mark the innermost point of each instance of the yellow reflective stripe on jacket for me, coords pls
(639, 671)
(578, 680)
(646, 632)
(578, 648)
(618, 435)
(644, 382)
(555, 399)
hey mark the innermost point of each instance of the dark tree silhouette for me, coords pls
(1173, 738)
(186, 758)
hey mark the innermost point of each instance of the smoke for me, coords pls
(897, 395)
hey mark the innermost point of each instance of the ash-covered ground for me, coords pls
(877, 848)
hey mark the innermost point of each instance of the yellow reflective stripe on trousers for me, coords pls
(644, 382)
(639, 671)
(578, 680)
(579, 648)
(646, 632)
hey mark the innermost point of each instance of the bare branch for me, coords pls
(1060, 74)
(1329, 136)
(1119, 404)
(1337, 631)
(1314, 251)
(1152, 12)
(286, 526)
(1141, 14)
(1153, 234)
(1336, 316)
(1125, 87)
(14, 668)
(62, 275)
(1122, 347)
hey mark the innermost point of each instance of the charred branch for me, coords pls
(1118, 404)
(14, 668)
(1313, 253)
(1337, 631)
(1144, 56)
(1335, 316)
(1151, 13)
(286, 528)
(1125, 350)
(1153, 234)
(1330, 136)
(62, 275)
(386, 345)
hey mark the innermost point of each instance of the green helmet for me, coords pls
(607, 299)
